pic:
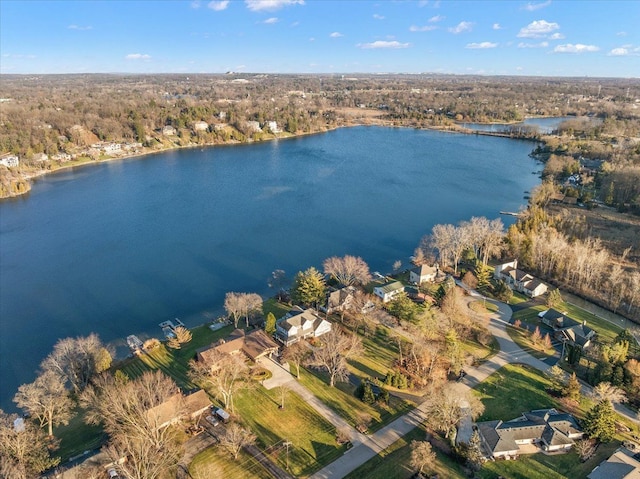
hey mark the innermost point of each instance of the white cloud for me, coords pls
(378, 17)
(218, 5)
(336, 35)
(461, 27)
(556, 36)
(622, 34)
(625, 51)
(271, 21)
(383, 44)
(138, 56)
(532, 7)
(481, 46)
(577, 48)
(533, 45)
(437, 18)
(496, 26)
(78, 27)
(259, 5)
(426, 28)
(538, 29)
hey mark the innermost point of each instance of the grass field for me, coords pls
(173, 362)
(342, 400)
(215, 462)
(380, 352)
(77, 437)
(522, 338)
(313, 439)
(393, 462)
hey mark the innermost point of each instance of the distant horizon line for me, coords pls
(333, 74)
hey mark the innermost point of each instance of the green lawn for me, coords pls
(512, 390)
(522, 338)
(215, 462)
(380, 352)
(393, 462)
(173, 362)
(342, 400)
(77, 437)
(312, 437)
(278, 309)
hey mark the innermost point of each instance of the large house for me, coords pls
(178, 407)
(543, 428)
(519, 280)
(255, 345)
(423, 273)
(566, 329)
(300, 324)
(388, 291)
(340, 300)
(9, 160)
(623, 464)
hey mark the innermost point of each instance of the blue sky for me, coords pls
(508, 37)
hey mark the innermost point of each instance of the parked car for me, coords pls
(113, 474)
(212, 420)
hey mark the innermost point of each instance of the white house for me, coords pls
(200, 126)
(300, 324)
(519, 280)
(253, 126)
(111, 148)
(9, 160)
(61, 157)
(168, 130)
(273, 126)
(423, 273)
(40, 157)
(388, 291)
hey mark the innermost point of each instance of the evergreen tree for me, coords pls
(270, 324)
(474, 452)
(483, 275)
(367, 393)
(600, 421)
(572, 389)
(554, 299)
(309, 288)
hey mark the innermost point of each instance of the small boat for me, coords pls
(134, 342)
(168, 332)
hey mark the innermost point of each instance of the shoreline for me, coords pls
(32, 177)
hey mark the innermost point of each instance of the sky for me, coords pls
(506, 37)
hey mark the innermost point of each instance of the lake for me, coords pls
(544, 125)
(116, 248)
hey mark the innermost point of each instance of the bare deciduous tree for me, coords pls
(332, 355)
(348, 270)
(296, 353)
(235, 438)
(448, 405)
(227, 373)
(607, 392)
(78, 360)
(24, 451)
(46, 399)
(241, 304)
(422, 456)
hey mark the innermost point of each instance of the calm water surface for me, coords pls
(117, 248)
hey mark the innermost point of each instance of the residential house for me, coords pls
(178, 407)
(201, 126)
(566, 329)
(623, 464)
(9, 160)
(300, 324)
(111, 148)
(273, 127)
(168, 130)
(40, 157)
(423, 273)
(519, 280)
(543, 428)
(340, 300)
(62, 157)
(253, 126)
(388, 291)
(254, 345)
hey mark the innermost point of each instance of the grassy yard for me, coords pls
(380, 352)
(511, 390)
(173, 362)
(393, 462)
(342, 400)
(313, 438)
(77, 437)
(218, 463)
(278, 309)
(522, 338)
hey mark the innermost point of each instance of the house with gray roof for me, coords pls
(519, 280)
(423, 273)
(300, 324)
(623, 464)
(388, 291)
(546, 429)
(567, 329)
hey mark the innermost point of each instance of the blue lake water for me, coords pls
(545, 125)
(118, 247)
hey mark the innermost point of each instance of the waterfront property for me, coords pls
(545, 429)
(519, 280)
(423, 273)
(340, 300)
(255, 345)
(388, 291)
(178, 407)
(300, 324)
(9, 160)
